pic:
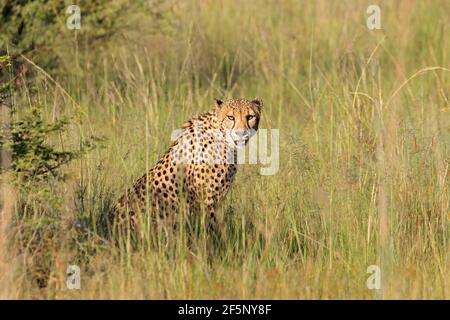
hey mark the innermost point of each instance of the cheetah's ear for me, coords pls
(258, 102)
(218, 103)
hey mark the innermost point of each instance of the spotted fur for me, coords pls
(199, 166)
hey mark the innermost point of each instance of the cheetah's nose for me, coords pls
(240, 137)
(242, 134)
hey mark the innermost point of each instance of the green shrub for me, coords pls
(38, 28)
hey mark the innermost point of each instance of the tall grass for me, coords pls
(364, 153)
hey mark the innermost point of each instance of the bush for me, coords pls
(36, 166)
(38, 28)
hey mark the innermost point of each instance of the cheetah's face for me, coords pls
(239, 118)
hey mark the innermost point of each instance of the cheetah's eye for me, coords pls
(231, 118)
(250, 117)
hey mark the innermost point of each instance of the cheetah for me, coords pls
(199, 166)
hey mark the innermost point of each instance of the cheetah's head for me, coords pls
(239, 118)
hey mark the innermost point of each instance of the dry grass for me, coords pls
(364, 153)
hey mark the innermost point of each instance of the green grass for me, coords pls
(364, 153)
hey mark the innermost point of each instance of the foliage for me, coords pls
(33, 158)
(351, 152)
(37, 165)
(38, 28)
